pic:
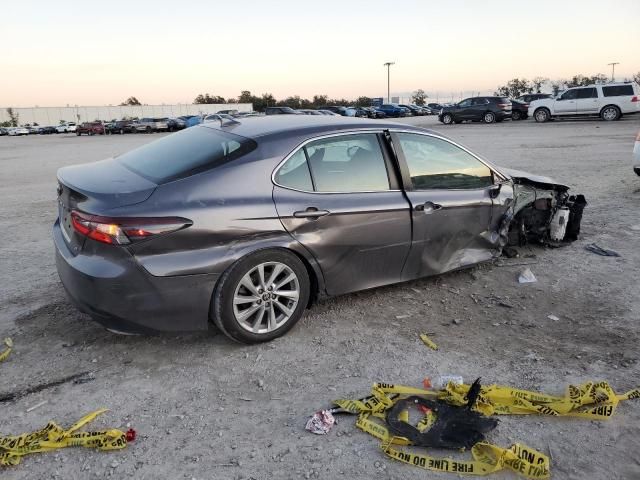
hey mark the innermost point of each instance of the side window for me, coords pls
(348, 163)
(465, 103)
(586, 93)
(437, 164)
(617, 90)
(569, 95)
(480, 101)
(294, 173)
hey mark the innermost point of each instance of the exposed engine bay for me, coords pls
(542, 212)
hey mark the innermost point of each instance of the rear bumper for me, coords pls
(120, 295)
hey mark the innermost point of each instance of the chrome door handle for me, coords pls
(311, 212)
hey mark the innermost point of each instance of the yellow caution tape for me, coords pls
(53, 437)
(591, 400)
(428, 342)
(9, 343)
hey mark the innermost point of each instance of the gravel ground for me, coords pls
(207, 408)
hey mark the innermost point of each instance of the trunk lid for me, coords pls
(97, 188)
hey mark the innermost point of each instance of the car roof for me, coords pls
(255, 127)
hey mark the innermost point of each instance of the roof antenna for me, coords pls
(226, 120)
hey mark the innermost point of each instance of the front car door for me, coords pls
(463, 110)
(587, 100)
(338, 196)
(451, 192)
(565, 104)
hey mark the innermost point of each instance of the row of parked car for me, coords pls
(383, 111)
(609, 101)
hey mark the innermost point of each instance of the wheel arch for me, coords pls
(611, 105)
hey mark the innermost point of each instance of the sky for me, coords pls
(63, 52)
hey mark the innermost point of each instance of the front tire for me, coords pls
(447, 119)
(261, 296)
(610, 113)
(542, 115)
(489, 117)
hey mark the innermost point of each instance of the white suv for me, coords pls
(610, 101)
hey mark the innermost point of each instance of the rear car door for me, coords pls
(587, 100)
(339, 197)
(566, 103)
(479, 105)
(450, 192)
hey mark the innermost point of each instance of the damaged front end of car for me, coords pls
(542, 212)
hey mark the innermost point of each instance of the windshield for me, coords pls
(186, 153)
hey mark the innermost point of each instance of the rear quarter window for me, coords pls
(186, 153)
(617, 90)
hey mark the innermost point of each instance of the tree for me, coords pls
(131, 101)
(13, 117)
(537, 83)
(514, 88)
(636, 77)
(320, 100)
(419, 97)
(363, 102)
(206, 98)
(245, 97)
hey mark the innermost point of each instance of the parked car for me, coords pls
(18, 131)
(150, 125)
(414, 109)
(435, 108)
(280, 111)
(337, 109)
(228, 112)
(3, 132)
(175, 124)
(33, 130)
(519, 110)
(46, 130)
(224, 224)
(636, 155)
(608, 101)
(309, 111)
(91, 128)
(66, 127)
(191, 120)
(372, 112)
(120, 126)
(327, 112)
(392, 110)
(477, 109)
(530, 97)
(360, 112)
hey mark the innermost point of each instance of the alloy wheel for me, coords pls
(266, 297)
(610, 113)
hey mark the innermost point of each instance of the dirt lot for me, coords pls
(207, 408)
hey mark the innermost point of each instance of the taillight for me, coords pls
(125, 230)
(504, 106)
(635, 99)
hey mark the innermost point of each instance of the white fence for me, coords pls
(53, 115)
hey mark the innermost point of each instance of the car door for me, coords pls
(463, 110)
(565, 104)
(479, 105)
(587, 101)
(339, 197)
(452, 209)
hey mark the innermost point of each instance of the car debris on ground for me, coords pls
(593, 248)
(459, 415)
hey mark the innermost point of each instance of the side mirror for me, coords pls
(494, 190)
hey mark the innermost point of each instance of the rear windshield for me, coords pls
(186, 153)
(617, 90)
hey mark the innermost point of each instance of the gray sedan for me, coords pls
(245, 224)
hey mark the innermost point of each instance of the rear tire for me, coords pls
(542, 115)
(489, 117)
(251, 309)
(610, 113)
(516, 115)
(447, 119)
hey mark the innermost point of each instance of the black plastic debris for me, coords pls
(593, 248)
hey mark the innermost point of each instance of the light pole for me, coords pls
(613, 69)
(388, 65)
